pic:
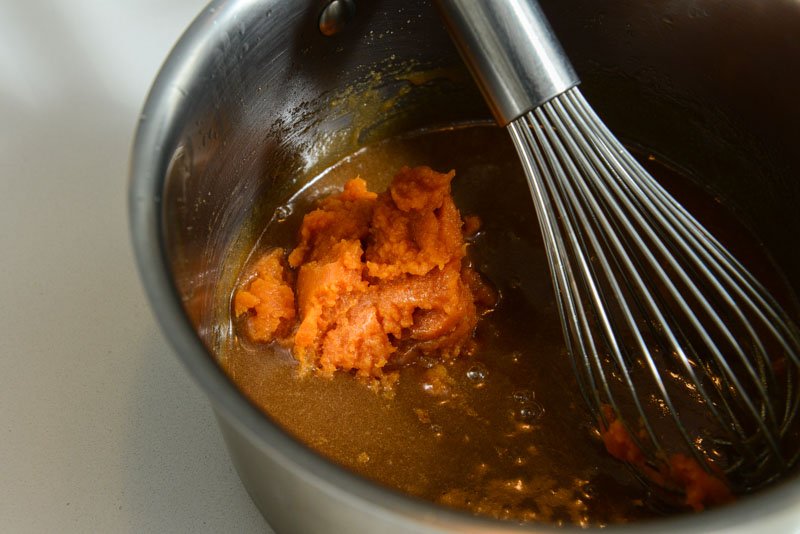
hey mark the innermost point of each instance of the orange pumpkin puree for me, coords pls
(268, 300)
(380, 279)
(700, 487)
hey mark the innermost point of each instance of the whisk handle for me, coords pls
(511, 51)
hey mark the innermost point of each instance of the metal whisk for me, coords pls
(666, 330)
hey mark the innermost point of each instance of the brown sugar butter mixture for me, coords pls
(451, 320)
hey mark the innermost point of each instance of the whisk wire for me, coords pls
(564, 279)
(577, 217)
(726, 265)
(654, 302)
(591, 197)
(650, 210)
(638, 215)
(560, 266)
(632, 268)
(747, 288)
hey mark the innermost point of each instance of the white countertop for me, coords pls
(102, 429)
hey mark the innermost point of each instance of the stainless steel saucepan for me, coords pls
(260, 92)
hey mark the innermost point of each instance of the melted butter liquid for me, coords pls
(511, 437)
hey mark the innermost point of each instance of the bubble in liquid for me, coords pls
(477, 373)
(589, 490)
(523, 396)
(526, 410)
(529, 413)
(426, 362)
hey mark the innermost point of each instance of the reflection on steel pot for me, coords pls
(254, 95)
